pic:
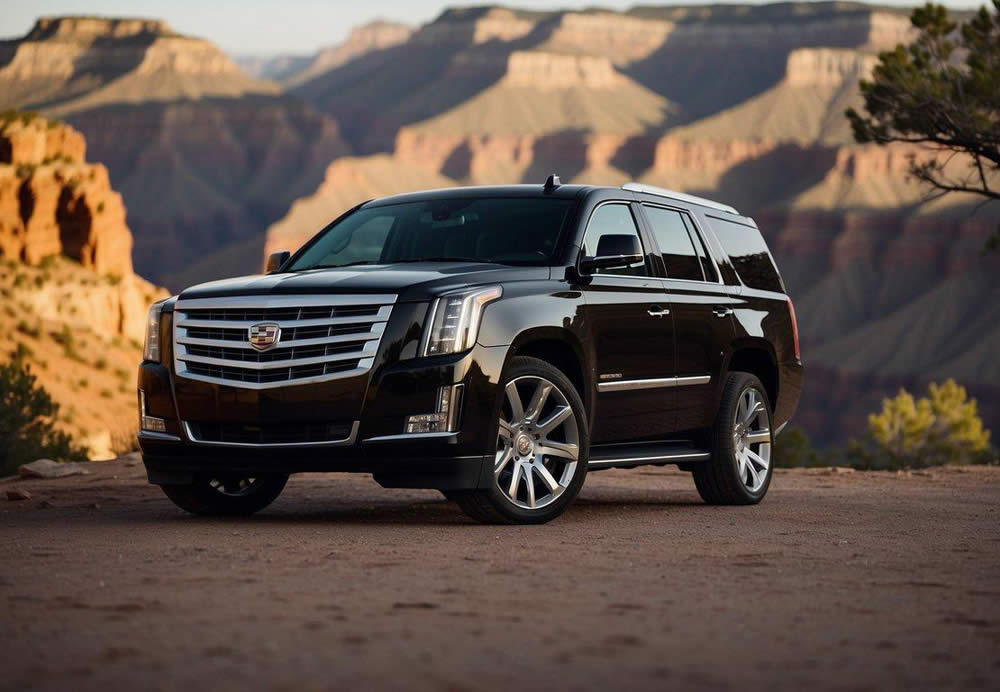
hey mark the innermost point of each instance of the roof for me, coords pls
(558, 192)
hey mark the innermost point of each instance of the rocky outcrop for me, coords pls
(474, 26)
(54, 203)
(620, 38)
(550, 71)
(205, 155)
(76, 28)
(364, 39)
(827, 67)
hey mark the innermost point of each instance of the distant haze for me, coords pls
(257, 27)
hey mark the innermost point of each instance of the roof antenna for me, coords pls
(552, 182)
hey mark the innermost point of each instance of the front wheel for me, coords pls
(739, 472)
(540, 458)
(227, 495)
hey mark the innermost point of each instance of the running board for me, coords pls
(643, 453)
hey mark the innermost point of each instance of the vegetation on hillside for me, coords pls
(908, 433)
(27, 415)
(942, 428)
(941, 92)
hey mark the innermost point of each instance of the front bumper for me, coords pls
(376, 445)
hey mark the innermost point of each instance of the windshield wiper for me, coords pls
(441, 259)
(337, 266)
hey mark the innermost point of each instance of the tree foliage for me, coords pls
(941, 92)
(942, 428)
(26, 421)
(792, 448)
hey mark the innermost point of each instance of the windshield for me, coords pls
(503, 230)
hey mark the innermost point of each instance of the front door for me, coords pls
(631, 332)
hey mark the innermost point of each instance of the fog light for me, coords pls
(444, 419)
(150, 423)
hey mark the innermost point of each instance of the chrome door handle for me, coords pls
(657, 311)
(722, 311)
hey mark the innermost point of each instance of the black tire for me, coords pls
(204, 498)
(719, 481)
(493, 506)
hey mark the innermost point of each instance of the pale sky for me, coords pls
(292, 26)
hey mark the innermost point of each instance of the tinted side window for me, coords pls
(748, 252)
(671, 232)
(612, 219)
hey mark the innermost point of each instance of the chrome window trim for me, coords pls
(349, 440)
(364, 355)
(652, 383)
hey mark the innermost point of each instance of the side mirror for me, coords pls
(276, 259)
(613, 252)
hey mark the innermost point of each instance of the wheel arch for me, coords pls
(756, 356)
(558, 348)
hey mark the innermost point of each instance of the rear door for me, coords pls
(631, 335)
(702, 312)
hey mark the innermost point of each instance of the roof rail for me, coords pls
(663, 192)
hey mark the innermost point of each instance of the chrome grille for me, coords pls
(321, 338)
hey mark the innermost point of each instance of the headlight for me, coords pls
(454, 320)
(151, 347)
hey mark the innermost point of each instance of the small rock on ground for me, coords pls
(18, 494)
(46, 468)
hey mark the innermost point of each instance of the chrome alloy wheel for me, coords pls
(752, 439)
(538, 445)
(233, 487)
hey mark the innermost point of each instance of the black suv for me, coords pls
(494, 343)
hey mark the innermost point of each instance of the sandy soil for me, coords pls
(837, 581)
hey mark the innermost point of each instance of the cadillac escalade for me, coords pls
(495, 343)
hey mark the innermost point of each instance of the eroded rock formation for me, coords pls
(54, 203)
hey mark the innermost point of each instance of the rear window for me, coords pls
(748, 253)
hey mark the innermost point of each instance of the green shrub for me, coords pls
(22, 352)
(28, 330)
(101, 363)
(68, 342)
(942, 428)
(106, 394)
(793, 449)
(27, 413)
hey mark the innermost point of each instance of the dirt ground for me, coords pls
(836, 581)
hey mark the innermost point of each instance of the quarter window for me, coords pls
(749, 254)
(612, 219)
(673, 237)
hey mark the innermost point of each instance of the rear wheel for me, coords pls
(540, 457)
(739, 472)
(227, 495)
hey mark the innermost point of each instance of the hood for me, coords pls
(415, 281)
